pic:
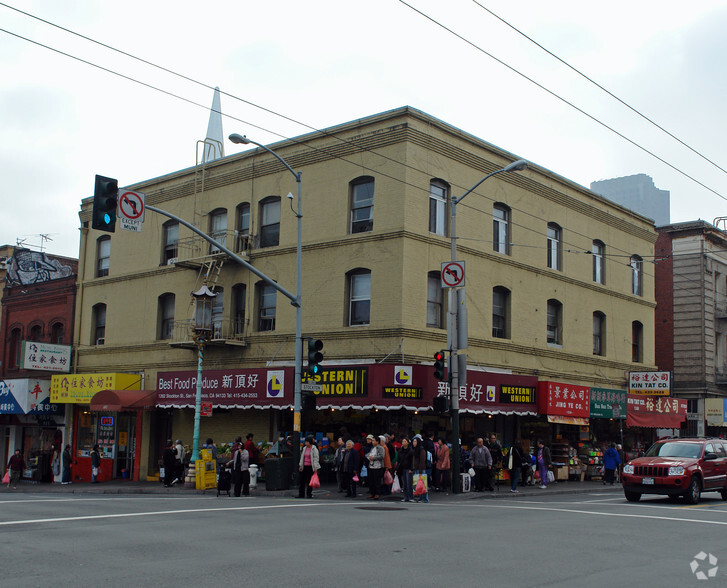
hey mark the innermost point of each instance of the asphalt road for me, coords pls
(595, 539)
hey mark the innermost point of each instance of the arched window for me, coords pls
(14, 351)
(103, 256)
(270, 221)
(98, 333)
(170, 252)
(438, 207)
(501, 229)
(554, 246)
(362, 204)
(266, 302)
(166, 316)
(435, 301)
(359, 297)
(239, 295)
(599, 262)
(500, 312)
(555, 322)
(36, 333)
(637, 342)
(637, 275)
(218, 313)
(242, 230)
(599, 333)
(218, 228)
(57, 333)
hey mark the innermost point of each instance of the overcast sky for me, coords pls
(325, 62)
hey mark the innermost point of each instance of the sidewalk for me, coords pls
(325, 492)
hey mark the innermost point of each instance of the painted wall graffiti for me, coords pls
(27, 267)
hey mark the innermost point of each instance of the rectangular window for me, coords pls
(437, 208)
(360, 303)
(239, 294)
(266, 310)
(434, 301)
(218, 309)
(362, 206)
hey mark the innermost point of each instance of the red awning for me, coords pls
(655, 412)
(118, 400)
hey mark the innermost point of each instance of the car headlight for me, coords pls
(676, 471)
(628, 469)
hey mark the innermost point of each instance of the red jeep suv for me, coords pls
(678, 467)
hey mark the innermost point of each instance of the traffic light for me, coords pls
(105, 200)
(441, 404)
(308, 401)
(315, 357)
(439, 360)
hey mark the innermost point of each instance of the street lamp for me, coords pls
(457, 326)
(202, 331)
(242, 139)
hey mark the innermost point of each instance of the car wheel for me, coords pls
(723, 492)
(695, 491)
(632, 496)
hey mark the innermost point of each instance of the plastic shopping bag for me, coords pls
(314, 481)
(6, 478)
(420, 487)
(355, 478)
(396, 486)
(550, 476)
(387, 478)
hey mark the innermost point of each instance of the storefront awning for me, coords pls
(496, 393)
(119, 400)
(655, 412)
(559, 399)
(563, 420)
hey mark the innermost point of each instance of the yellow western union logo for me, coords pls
(341, 382)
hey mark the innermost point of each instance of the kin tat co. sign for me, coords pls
(650, 383)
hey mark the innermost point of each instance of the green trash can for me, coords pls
(278, 471)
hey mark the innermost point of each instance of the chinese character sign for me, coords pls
(559, 399)
(650, 383)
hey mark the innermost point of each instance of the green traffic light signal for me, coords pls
(315, 356)
(105, 201)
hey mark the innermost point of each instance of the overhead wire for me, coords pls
(599, 86)
(560, 98)
(172, 94)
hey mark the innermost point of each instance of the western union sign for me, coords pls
(344, 382)
(403, 392)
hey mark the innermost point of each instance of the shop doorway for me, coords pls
(126, 443)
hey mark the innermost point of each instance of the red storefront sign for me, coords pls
(493, 393)
(248, 388)
(655, 412)
(564, 400)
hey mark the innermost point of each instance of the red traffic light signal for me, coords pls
(439, 360)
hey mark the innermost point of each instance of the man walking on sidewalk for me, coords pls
(481, 463)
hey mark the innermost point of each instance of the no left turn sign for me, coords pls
(452, 274)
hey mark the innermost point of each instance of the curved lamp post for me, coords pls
(242, 139)
(457, 365)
